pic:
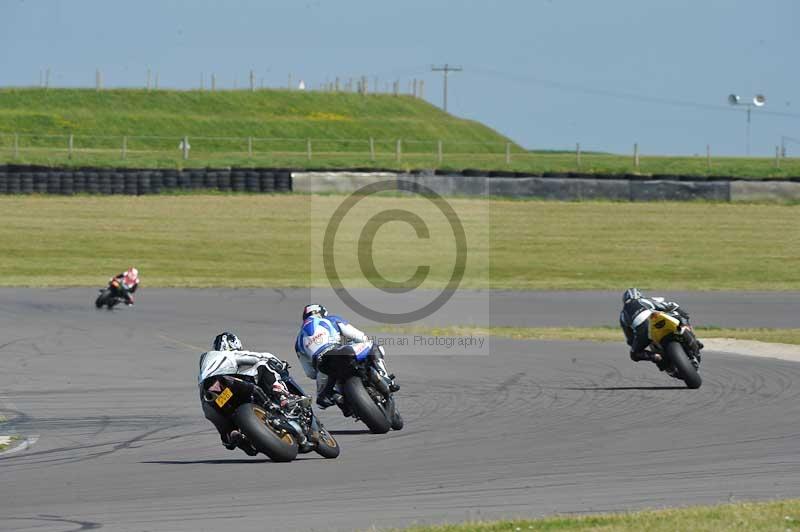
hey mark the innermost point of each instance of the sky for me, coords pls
(548, 74)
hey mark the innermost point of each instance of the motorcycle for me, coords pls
(112, 295)
(673, 338)
(280, 431)
(365, 393)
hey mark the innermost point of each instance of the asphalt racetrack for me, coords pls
(109, 404)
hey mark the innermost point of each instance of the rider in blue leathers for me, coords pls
(321, 334)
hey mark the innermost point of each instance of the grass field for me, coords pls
(595, 334)
(777, 516)
(280, 123)
(270, 241)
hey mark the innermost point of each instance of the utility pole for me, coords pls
(446, 69)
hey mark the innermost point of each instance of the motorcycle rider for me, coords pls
(325, 334)
(228, 357)
(636, 309)
(128, 283)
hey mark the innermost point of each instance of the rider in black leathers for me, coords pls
(633, 320)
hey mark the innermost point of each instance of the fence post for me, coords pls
(508, 153)
(308, 149)
(777, 157)
(252, 82)
(708, 156)
(185, 148)
(213, 82)
(70, 143)
(439, 151)
(372, 149)
(578, 154)
(636, 155)
(249, 146)
(124, 146)
(399, 150)
(16, 145)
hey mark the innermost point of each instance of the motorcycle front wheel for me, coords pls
(677, 356)
(102, 298)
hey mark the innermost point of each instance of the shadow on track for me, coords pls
(219, 461)
(624, 388)
(348, 432)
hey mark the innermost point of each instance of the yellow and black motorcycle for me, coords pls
(674, 340)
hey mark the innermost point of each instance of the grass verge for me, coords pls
(7, 441)
(777, 516)
(275, 241)
(594, 334)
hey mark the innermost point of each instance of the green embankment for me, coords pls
(218, 125)
(275, 240)
(776, 516)
(279, 123)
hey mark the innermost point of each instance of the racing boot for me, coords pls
(236, 439)
(638, 356)
(379, 362)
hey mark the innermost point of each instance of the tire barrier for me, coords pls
(12, 183)
(283, 181)
(144, 184)
(237, 181)
(67, 184)
(53, 181)
(252, 182)
(156, 182)
(224, 180)
(104, 180)
(197, 179)
(92, 183)
(267, 182)
(79, 182)
(20, 179)
(211, 181)
(117, 183)
(26, 183)
(129, 186)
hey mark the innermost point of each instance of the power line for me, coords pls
(620, 95)
(446, 69)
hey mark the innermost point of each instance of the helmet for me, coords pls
(631, 293)
(314, 308)
(131, 276)
(227, 341)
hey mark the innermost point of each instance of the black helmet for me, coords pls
(314, 308)
(227, 341)
(631, 293)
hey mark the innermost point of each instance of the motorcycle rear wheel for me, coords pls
(676, 356)
(252, 421)
(365, 408)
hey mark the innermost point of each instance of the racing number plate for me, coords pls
(223, 397)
